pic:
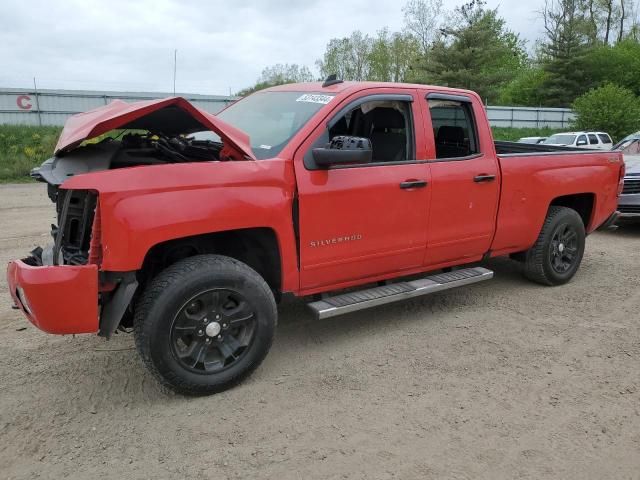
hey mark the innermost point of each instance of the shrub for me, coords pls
(22, 148)
(610, 108)
(525, 89)
(509, 134)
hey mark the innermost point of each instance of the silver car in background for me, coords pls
(629, 201)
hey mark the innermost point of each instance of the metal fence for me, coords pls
(53, 107)
(523, 117)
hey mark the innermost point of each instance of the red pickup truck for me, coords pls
(188, 227)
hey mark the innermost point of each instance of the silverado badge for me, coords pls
(335, 241)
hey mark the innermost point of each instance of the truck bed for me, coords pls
(516, 148)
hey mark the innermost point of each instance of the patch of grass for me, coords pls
(22, 148)
(508, 134)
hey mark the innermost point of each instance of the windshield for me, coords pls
(270, 118)
(629, 147)
(560, 140)
(626, 141)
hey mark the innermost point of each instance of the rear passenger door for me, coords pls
(465, 180)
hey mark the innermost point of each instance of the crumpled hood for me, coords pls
(171, 116)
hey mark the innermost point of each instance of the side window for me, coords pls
(604, 138)
(386, 123)
(582, 140)
(593, 139)
(453, 128)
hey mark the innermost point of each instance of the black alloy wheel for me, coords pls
(204, 324)
(564, 248)
(212, 331)
(556, 255)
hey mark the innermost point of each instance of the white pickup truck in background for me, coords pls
(591, 140)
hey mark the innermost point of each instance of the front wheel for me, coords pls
(204, 324)
(555, 257)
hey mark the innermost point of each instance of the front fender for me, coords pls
(132, 225)
(142, 207)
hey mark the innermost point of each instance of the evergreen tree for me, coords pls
(476, 52)
(564, 53)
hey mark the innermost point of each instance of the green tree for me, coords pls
(385, 57)
(347, 57)
(421, 20)
(618, 64)
(391, 56)
(564, 52)
(476, 51)
(525, 89)
(279, 74)
(609, 108)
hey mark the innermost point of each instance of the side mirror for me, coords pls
(344, 150)
(581, 143)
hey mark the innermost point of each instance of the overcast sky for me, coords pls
(222, 45)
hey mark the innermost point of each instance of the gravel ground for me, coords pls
(505, 379)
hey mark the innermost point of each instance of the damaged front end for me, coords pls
(57, 287)
(72, 236)
(61, 287)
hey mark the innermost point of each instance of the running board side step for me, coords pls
(350, 302)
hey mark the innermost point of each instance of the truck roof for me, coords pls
(584, 132)
(349, 87)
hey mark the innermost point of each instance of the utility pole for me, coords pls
(35, 91)
(175, 63)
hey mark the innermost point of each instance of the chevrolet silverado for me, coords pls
(188, 227)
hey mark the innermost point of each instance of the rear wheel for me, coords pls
(556, 256)
(204, 324)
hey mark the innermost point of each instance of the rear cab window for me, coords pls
(454, 127)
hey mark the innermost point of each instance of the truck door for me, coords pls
(364, 221)
(465, 180)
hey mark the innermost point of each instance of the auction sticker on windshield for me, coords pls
(314, 98)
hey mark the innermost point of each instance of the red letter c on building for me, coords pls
(23, 102)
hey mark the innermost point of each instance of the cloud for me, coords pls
(222, 45)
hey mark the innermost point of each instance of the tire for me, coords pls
(211, 304)
(555, 257)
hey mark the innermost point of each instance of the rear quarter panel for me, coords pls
(530, 183)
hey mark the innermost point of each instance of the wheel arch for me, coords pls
(257, 247)
(583, 203)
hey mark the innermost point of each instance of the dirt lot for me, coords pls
(502, 380)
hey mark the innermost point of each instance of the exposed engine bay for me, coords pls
(76, 209)
(152, 132)
(134, 149)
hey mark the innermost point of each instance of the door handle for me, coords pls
(484, 178)
(407, 184)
